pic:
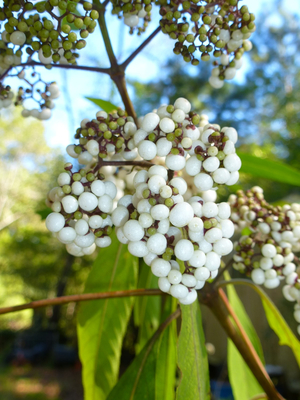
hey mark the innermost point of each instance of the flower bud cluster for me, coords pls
(81, 204)
(220, 29)
(267, 252)
(39, 29)
(158, 225)
(188, 142)
(106, 136)
(134, 13)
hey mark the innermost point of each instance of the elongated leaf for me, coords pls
(280, 327)
(269, 169)
(167, 357)
(140, 379)
(105, 105)
(147, 309)
(276, 321)
(102, 324)
(243, 383)
(192, 356)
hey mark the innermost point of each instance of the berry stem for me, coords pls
(125, 64)
(226, 268)
(116, 71)
(218, 303)
(81, 297)
(106, 38)
(143, 164)
(119, 79)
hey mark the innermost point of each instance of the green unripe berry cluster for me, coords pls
(140, 9)
(202, 30)
(37, 28)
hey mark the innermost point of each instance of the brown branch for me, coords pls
(125, 64)
(143, 164)
(218, 304)
(5, 73)
(259, 396)
(119, 80)
(81, 297)
(67, 66)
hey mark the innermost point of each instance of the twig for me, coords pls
(67, 66)
(259, 396)
(143, 164)
(226, 268)
(81, 297)
(243, 332)
(140, 48)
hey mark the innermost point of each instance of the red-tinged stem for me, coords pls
(218, 303)
(81, 297)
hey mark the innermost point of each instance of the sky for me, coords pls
(72, 106)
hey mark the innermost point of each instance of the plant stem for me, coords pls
(143, 164)
(259, 396)
(140, 48)
(119, 79)
(219, 305)
(81, 297)
(116, 71)
(67, 66)
(106, 38)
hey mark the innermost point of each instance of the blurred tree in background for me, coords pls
(33, 263)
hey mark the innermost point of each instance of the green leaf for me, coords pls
(143, 379)
(167, 357)
(276, 321)
(102, 324)
(192, 356)
(269, 169)
(244, 384)
(147, 309)
(105, 105)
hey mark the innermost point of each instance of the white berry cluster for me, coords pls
(37, 28)
(108, 136)
(158, 225)
(81, 205)
(38, 91)
(8, 57)
(161, 220)
(185, 142)
(267, 254)
(46, 103)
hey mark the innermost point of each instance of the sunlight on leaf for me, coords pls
(192, 356)
(105, 105)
